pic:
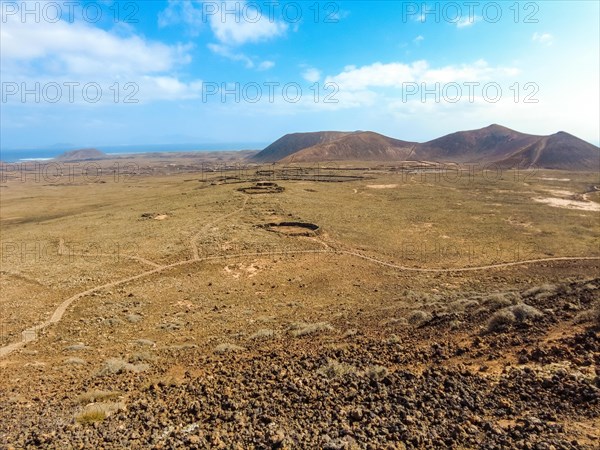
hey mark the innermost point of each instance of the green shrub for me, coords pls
(228, 348)
(520, 313)
(376, 372)
(418, 317)
(525, 312)
(95, 395)
(335, 369)
(543, 289)
(76, 361)
(263, 333)
(494, 302)
(97, 412)
(501, 320)
(303, 329)
(115, 366)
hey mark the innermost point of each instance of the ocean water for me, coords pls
(25, 155)
(15, 155)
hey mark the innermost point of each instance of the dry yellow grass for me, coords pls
(97, 412)
(161, 295)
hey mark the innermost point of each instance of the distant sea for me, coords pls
(15, 155)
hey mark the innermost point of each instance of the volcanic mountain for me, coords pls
(84, 154)
(291, 143)
(558, 151)
(493, 144)
(486, 144)
(360, 146)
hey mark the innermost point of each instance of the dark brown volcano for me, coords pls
(493, 144)
(360, 146)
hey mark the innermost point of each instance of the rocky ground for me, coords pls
(501, 375)
(423, 314)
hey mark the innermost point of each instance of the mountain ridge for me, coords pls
(83, 154)
(492, 144)
(293, 142)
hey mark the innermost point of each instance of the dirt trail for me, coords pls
(586, 194)
(472, 268)
(63, 250)
(205, 228)
(31, 334)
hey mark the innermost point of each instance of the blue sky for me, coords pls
(158, 72)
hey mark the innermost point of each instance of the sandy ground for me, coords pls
(569, 204)
(212, 332)
(382, 186)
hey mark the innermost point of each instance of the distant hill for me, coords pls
(558, 151)
(486, 144)
(492, 144)
(361, 146)
(84, 154)
(292, 143)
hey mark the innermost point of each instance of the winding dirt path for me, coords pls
(63, 250)
(31, 334)
(205, 228)
(586, 194)
(472, 268)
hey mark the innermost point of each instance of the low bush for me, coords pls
(335, 369)
(500, 320)
(418, 317)
(228, 348)
(263, 333)
(304, 329)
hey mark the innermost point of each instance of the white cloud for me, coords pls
(247, 24)
(79, 52)
(226, 52)
(389, 86)
(418, 39)
(243, 23)
(543, 38)
(479, 71)
(168, 88)
(334, 16)
(379, 90)
(311, 75)
(467, 21)
(82, 49)
(393, 75)
(266, 65)
(233, 22)
(181, 11)
(376, 75)
(234, 55)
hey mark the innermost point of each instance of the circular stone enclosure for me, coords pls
(262, 188)
(292, 228)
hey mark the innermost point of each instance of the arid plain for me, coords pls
(187, 302)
